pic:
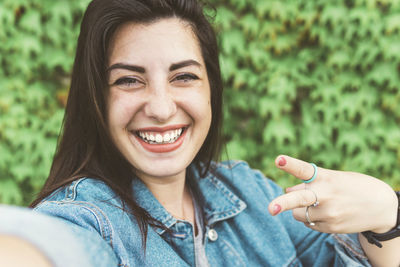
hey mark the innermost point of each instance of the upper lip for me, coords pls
(161, 129)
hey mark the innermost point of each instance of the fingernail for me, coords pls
(277, 208)
(282, 161)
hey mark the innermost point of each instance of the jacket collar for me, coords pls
(220, 203)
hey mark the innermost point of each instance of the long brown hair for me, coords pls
(85, 148)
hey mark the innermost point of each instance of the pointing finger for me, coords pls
(298, 168)
(291, 200)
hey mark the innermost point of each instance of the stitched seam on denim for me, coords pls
(52, 194)
(348, 247)
(230, 164)
(341, 261)
(71, 189)
(234, 252)
(106, 226)
(291, 263)
(229, 195)
(101, 225)
(236, 208)
(47, 199)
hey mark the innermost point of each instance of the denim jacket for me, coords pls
(239, 231)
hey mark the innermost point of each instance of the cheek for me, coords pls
(199, 106)
(120, 110)
(207, 110)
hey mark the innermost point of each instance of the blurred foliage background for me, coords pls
(317, 80)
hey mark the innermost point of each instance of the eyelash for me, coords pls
(185, 77)
(129, 81)
(126, 81)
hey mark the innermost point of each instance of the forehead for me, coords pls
(163, 41)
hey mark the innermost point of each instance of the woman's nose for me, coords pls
(160, 105)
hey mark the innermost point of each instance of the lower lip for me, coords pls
(162, 148)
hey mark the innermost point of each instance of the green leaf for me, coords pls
(279, 132)
(31, 21)
(9, 192)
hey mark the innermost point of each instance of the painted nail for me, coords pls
(282, 161)
(277, 209)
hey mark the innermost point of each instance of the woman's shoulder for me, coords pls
(86, 202)
(93, 205)
(242, 179)
(82, 189)
(88, 195)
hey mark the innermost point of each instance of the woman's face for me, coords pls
(159, 110)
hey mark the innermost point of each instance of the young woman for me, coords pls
(134, 182)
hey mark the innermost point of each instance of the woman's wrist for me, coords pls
(393, 214)
(375, 236)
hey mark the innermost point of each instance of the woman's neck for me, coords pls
(173, 194)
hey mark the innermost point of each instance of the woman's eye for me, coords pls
(186, 77)
(128, 82)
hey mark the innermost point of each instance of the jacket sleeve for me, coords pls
(62, 242)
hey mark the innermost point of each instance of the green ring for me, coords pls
(314, 176)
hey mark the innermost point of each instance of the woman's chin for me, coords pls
(161, 171)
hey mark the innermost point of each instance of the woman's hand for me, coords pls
(349, 202)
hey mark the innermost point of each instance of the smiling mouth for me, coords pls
(158, 138)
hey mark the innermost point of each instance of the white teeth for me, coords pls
(168, 137)
(159, 138)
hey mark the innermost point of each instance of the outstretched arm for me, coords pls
(15, 251)
(27, 236)
(348, 202)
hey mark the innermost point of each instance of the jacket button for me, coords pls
(212, 235)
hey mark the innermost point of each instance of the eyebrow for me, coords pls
(140, 69)
(183, 64)
(127, 67)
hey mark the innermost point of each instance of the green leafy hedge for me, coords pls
(318, 80)
(37, 47)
